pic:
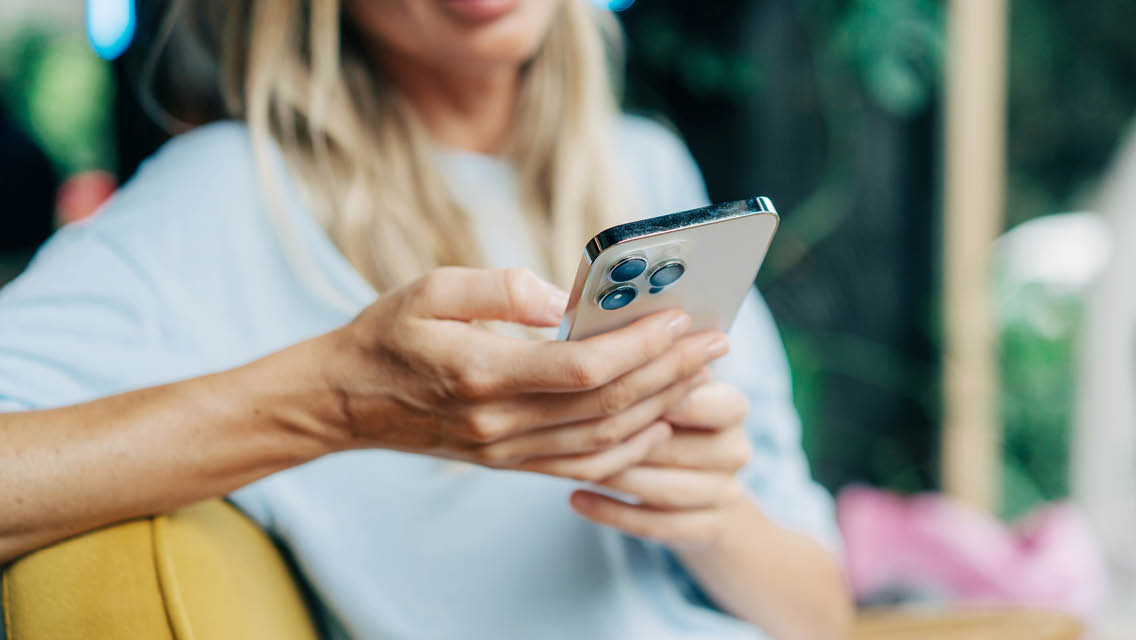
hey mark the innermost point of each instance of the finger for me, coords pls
(586, 436)
(489, 365)
(689, 526)
(509, 295)
(674, 488)
(685, 360)
(594, 467)
(712, 406)
(558, 366)
(724, 450)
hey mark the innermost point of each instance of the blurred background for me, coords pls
(838, 109)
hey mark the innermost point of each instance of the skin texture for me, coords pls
(412, 372)
(460, 74)
(633, 410)
(685, 494)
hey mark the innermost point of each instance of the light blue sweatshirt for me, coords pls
(183, 273)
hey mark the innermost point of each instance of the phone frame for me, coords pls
(659, 225)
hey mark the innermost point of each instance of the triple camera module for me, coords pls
(623, 272)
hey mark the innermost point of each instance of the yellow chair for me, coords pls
(205, 572)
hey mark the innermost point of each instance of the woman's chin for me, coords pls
(500, 50)
(512, 36)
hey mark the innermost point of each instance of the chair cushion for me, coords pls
(205, 572)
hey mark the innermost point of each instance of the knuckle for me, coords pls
(689, 361)
(469, 382)
(583, 372)
(606, 435)
(615, 398)
(516, 286)
(680, 365)
(517, 279)
(653, 343)
(429, 286)
(484, 427)
(490, 455)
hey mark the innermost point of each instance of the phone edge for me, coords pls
(709, 214)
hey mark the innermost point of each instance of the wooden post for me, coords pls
(973, 208)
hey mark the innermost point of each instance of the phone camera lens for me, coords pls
(666, 274)
(618, 297)
(628, 269)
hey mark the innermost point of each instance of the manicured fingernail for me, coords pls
(660, 431)
(678, 325)
(717, 348)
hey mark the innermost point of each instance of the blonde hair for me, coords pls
(364, 161)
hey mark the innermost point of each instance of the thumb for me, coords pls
(509, 295)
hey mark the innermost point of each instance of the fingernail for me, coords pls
(678, 325)
(717, 348)
(583, 499)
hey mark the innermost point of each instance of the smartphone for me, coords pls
(702, 261)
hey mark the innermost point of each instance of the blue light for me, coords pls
(614, 5)
(110, 26)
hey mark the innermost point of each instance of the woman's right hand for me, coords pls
(414, 372)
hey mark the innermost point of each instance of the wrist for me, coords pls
(292, 393)
(740, 521)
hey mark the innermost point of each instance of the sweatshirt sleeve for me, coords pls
(81, 322)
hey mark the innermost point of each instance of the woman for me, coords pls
(389, 138)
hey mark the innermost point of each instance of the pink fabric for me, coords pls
(937, 546)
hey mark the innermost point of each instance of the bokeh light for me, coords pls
(110, 26)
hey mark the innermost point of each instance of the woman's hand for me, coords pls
(415, 373)
(689, 499)
(685, 488)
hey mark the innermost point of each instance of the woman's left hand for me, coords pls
(686, 488)
(686, 496)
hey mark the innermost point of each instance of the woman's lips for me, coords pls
(479, 10)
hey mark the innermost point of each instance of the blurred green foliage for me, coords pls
(895, 46)
(63, 94)
(1039, 325)
(812, 102)
(704, 66)
(866, 54)
(1071, 94)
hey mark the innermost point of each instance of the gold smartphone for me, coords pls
(702, 261)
